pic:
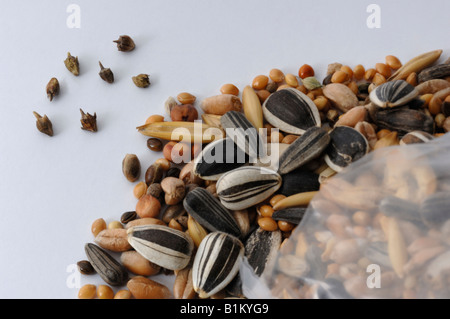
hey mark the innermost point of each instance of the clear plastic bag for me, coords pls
(378, 229)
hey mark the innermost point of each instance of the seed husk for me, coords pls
(403, 120)
(244, 134)
(216, 263)
(72, 64)
(131, 167)
(393, 93)
(154, 174)
(434, 72)
(416, 65)
(111, 271)
(252, 107)
(162, 245)
(182, 131)
(347, 145)
(304, 149)
(141, 80)
(43, 124)
(396, 247)
(246, 186)
(218, 158)
(88, 121)
(196, 231)
(300, 199)
(125, 43)
(209, 212)
(106, 74)
(299, 181)
(261, 248)
(432, 86)
(52, 88)
(183, 286)
(415, 137)
(291, 111)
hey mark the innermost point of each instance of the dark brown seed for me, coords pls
(109, 269)
(131, 167)
(173, 211)
(156, 191)
(141, 80)
(272, 87)
(173, 172)
(127, 217)
(154, 144)
(88, 121)
(154, 174)
(85, 267)
(106, 74)
(125, 43)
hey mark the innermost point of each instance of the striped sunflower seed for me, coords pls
(110, 270)
(246, 186)
(217, 158)
(216, 263)
(162, 245)
(305, 148)
(261, 247)
(209, 212)
(243, 133)
(291, 111)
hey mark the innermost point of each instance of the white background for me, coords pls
(52, 188)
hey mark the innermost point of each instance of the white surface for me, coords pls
(52, 189)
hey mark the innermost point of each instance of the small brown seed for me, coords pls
(88, 291)
(186, 98)
(52, 88)
(154, 144)
(358, 72)
(439, 120)
(155, 118)
(148, 206)
(106, 74)
(156, 191)
(128, 217)
(184, 113)
(43, 124)
(164, 163)
(275, 199)
(144, 288)
(140, 189)
(262, 95)
(267, 224)
(339, 77)
(131, 167)
(266, 211)
(229, 89)
(383, 69)
(260, 82)
(174, 224)
(393, 62)
(144, 221)
(370, 73)
(276, 75)
(285, 226)
(85, 267)
(138, 265)
(305, 71)
(291, 80)
(435, 105)
(289, 139)
(72, 64)
(272, 87)
(105, 292)
(154, 174)
(123, 294)
(378, 79)
(97, 226)
(125, 43)
(174, 190)
(347, 70)
(412, 79)
(141, 80)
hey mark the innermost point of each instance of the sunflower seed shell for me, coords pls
(162, 245)
(110, 270)
(291, 111)
(261, 247)
(305, 148)
(246, 186)
(209, 212)
(216, 263)
(393, 93)
(434, 72)
(293, 215)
